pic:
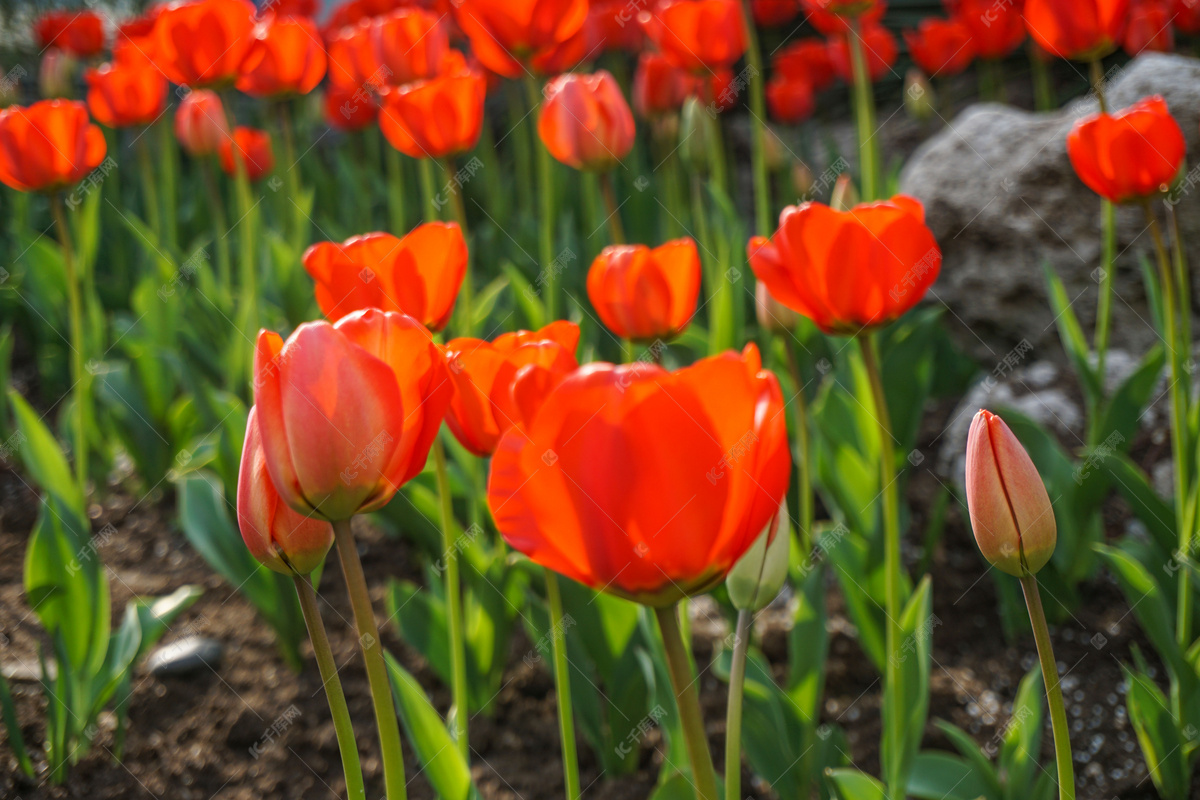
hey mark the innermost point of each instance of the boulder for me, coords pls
(1002, 200)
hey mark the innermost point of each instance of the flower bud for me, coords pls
(56, 75)
(845, 195)
(803, 180)
(757, 577)
(693, 135)
(773, 315)
(1010, 510)
(200, 123)
(918, 95)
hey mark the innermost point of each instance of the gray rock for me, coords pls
(1002, 199)
(185, 656)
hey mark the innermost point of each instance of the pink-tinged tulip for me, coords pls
(585, 122)
(200, 123)
(1010, 510)
(348, 411)
(275, 535)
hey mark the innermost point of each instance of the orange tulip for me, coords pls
(660, 87)
(48, 146)
(503, 383)
(697, 34)
(790, 99)
(806, 59)
(80, 33)
(274, 534)
(1149, 28)
(350, 110)
(614, 25)
(849, 270)
(203, 42)
(435, 118)
(646, 483)
(996, 29)
(506, 34)
(835, 17)
(352, 63)
(123, 94)
(200, 122)
(419, 275)
(135, 36)
(585, 122)
(410, 44)
(645, 294)
(253, 151)
(1083, 30)
(1010, 510)
(348, 411)
(286, 57)
(1130, 155)
(940, 47)
(879, 47)
(294, 8)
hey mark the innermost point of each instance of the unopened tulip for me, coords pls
(918, 95)
(585, 122)
(121, 94)
(285, 58)
(48, 146)
(418, 275)
(56, 74)
(1010, 510)
(503, 383)
(1084, 30)
(805, 59)
(436, 118)
(757, 577)
(698, 35)
(348, 411)
(645, 483)
(1133, 154)
(646, 294)
(200, 122)
(251, 148)
(274, 534)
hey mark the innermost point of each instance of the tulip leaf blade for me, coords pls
(1158, 733)
(970, 750)
(1071, 334)
(937, 775)
(850, 784)
(15, 740)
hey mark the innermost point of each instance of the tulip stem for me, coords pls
(562, 686)
(803, 475)
(704, 776)
(149, 187)
(1104, 305)
(220, 223)
(548, 215)
(1096, 72)
(166, 173)
(425, 173)
(395, 189)
(758, 138)
(458, 655)
(372, 650)
(616, 231)
(894, 731)
(79, 375)
(1043, 89)
(864, 113)
(342, 724)
(466, 296)
(733, 711)
(291, 172)
(1058, 712)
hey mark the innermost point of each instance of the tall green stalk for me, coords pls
(458, 653)
(154, 215)
(80, 377)
(679, 663)
(803, 470)
(733, 710)
(864, 114)
(616, 231)
(428, 190)
(167, 173)
(216, 207)
(758, 112)
(1058, 712)
(342, 724)
(372, 651)
(545, 174)
(562, 686)
(466, 295)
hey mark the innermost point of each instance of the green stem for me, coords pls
(154, 216)
(803, 474)
(715, 141)
(167, 171)
(458, 655)
(892, 575)
(545, 192)
(616, 231)
(216, 205)
(428, 191)
(1058, 712)
(79, 375)
(291, 173)
(395, 190)
(1096, 71)
(704, 776)
(372, 650)
(466, 295)
(1043, 89)
(758, 112)
(1104, 305)
(247, 271)
(864, 113)
(522, 145)
(733, 711)
(342, 725)
(562, 686)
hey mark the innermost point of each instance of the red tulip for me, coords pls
(80, 33)
(135, 37)
(1010, 511)
(790, 100)
(614, 24)
(1149, 28)
(1186, 15)
(659, 87)
(1080, 29)
(771, 13)
(411, 44)
(503, 383)
(48, 146)
(585, 122)
(646, 483)
(849, 270)
(835, 17)
(940, 47)
(506, 34)
(356, 11)
(253, 151)
(200, 122)
(274, 534)
(1133, 154)
(997, 29)
(123, 94)
(286, 58)
(418, 275)
(435, 118)
(203, 42)
(645, 294)
(348, 411)
(293, 8)
(349, 110)
(806, 59)
(567, 55)
(698, 35)
(879, 47)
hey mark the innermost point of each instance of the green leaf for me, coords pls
(1071, 334)
(911, 703)
(485, 301)
(1163, 747)
(850, 784)
(15, 740)
(528, 298)
(1154, 512)
(1022, 742)
(1122, 412)
(942, 776)
(676, 786)
(42, 456)
(968, 749)
(1152, 609)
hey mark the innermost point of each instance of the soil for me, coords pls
(192, 738)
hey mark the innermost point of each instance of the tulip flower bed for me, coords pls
(487, 399)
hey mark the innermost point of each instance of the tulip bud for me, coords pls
(775, 152)
(918, 95)
(757, 577)
(693, 135)
(803, 180)
(1010, 510)
(773, 315)
(200, 123)
(56, 73)
(845, 195)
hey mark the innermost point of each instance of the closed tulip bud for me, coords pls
(1010, 510)
(56, 74)
(693, 135)
(585, 122)
(274, 534)
(845, 195)
(200, 123)
(757, 577)
(803, 179)
(774, 150)
(772, 315)
(918, 95)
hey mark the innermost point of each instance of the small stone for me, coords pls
(185, 656)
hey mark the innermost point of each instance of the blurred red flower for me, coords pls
(80, 33)
(49, 145)
(645, 294)
(1132, 154)
(585, 122)
(1083, 30)
(252, 148)
(200, 43)
(879, 47)
(941, 47)
(287, 57)
(697, 35)
(123, 94)
(434, 118)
